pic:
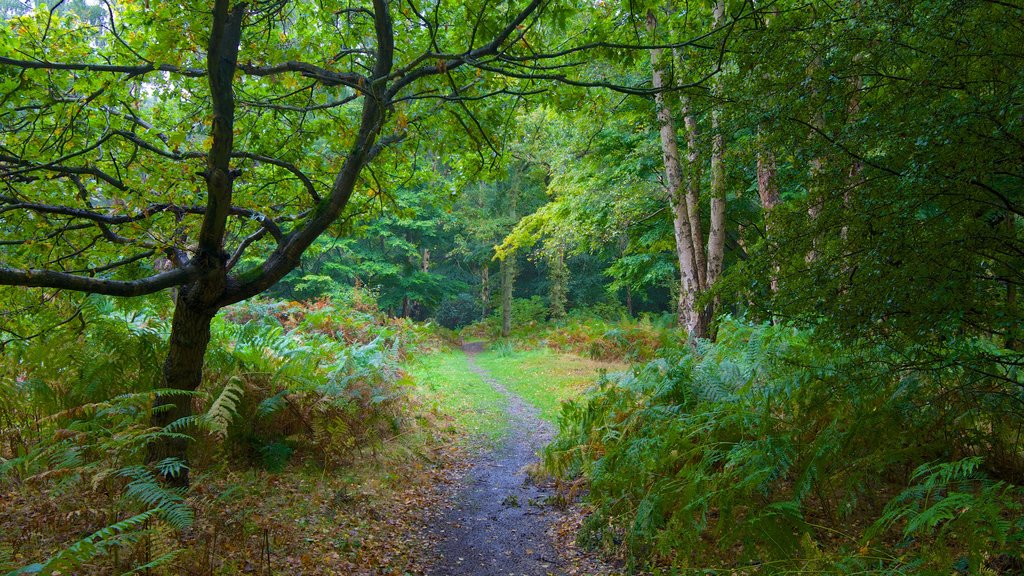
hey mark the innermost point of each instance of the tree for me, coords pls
(699, 268)
(202, 138)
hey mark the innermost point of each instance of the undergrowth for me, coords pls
(285, 385)
(600, 335)
(771, 452)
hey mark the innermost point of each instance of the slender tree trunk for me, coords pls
(767, 186)
(623, 246)
(716, 236)
(689, 285)
(816, 189)
(768, 190)
(559, 277)
(195, 303)
(485, 291)
(691, 178)
(508, 278)
(710, 272)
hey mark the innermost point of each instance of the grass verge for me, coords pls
(444, 383)
(544, 378)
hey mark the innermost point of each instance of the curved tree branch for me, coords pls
(67, 281)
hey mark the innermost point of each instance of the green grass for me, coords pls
(444, 382)
(544, 378)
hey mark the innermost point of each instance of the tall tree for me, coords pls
(699, 269)
(205, 136)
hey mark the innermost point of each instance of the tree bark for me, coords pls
(689, 285)
(196, 303)
(768, 190)
(558, 276)
(692, 182)
(508, 278)
(485, 290)
(182, 370)
(716, 236)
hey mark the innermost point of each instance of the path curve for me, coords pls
(498, 525)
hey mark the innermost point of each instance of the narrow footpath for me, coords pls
(498, 525)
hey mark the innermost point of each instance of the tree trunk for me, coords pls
(816, 188)
(195, 304)
(559, 277)
(508, 278)
(485, 290)
(689, 285)
(716, 236)
(768, 190)
(183, 370)
(692, 181)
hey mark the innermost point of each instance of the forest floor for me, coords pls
(458, 493)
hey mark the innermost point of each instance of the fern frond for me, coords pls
(224, 409)
(88, 548)
(146, 489)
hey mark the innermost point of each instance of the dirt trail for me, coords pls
(498, 526)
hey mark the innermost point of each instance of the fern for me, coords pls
(224, 408)
(144, 488)
(96, 544)
(271, 405)
(727, 452)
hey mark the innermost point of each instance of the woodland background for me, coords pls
(232, 234)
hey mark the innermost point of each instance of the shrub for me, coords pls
(454, 313)
(282, 382)
(771, 449)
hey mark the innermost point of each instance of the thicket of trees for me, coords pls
(850, 170)
(208, 140)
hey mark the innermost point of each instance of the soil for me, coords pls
(501, 522)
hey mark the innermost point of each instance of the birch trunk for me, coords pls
(768, 190)
(716, 235)
(689, 285)
(485, 291)
(691, 181)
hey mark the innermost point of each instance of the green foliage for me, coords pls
(224, 408)
(454, 313)
(282, 381)
(949, 503)
(526, 312)
(757, 449)
(504, 348)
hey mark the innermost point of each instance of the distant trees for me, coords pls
(867, 152)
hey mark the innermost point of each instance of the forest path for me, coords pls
(499, 522)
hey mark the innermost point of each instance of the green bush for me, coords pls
(281, 382)
(454, 313)
(769, 449)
